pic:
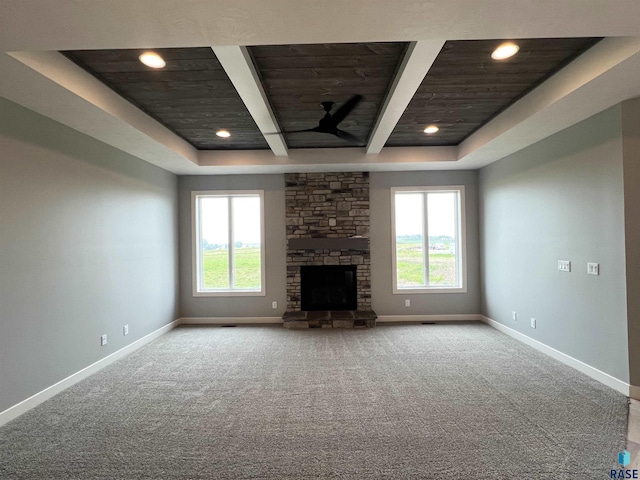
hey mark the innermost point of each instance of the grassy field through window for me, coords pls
(410, 261)
(215, 269)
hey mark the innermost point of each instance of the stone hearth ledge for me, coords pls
(330, 319)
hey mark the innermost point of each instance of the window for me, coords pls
(228, 243)
(428, 239)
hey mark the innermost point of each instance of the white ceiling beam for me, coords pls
(237, 62)
(416, 63)
(317, 160)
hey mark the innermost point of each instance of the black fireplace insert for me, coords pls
(328, 287)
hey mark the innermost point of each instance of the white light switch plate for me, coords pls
(593, 268)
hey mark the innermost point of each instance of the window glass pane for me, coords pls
(441, 215)
(409, 239)
(247, 243)
(214, 232)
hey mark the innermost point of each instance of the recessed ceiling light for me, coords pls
(152, 59)
(504, 51)
(223, 133)
(431, 129)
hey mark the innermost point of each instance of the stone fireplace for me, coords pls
(327, 218)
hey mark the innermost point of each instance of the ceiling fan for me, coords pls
(329, 123)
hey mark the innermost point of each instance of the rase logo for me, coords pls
(624, 459)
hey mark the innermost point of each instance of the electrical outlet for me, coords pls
(407, 303)
(103, 340)
(125, 330)
(274, 305)
(533, 323)
(514, 316)
(564, 265)
(593, 268)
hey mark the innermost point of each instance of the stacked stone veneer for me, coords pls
(327, 205)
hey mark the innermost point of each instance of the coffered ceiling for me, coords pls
(463, 89)
(257, 68)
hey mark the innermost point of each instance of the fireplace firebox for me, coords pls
(328, 287)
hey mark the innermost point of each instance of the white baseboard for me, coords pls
(35, 400)
(593, 372)
(275, 320)
(227, 320)
(428, 318)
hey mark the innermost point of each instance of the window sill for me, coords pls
(231, 293)
(428, 290)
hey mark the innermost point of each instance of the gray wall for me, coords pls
(274, 211)
(88, 243)
(560, 199)
(383, 299)
(631, 153)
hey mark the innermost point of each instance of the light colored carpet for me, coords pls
(263, 402)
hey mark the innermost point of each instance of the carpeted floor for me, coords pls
(458, 401)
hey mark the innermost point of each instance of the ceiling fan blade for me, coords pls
(347, 136)
(345, 109)
(293, 131)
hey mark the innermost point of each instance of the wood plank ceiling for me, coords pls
(192, 95)
(297, 78)
(465, 87)
(463, 90)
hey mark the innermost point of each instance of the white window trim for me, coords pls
(461, 257)
(196, 248)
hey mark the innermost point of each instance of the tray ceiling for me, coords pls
(464, 89)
